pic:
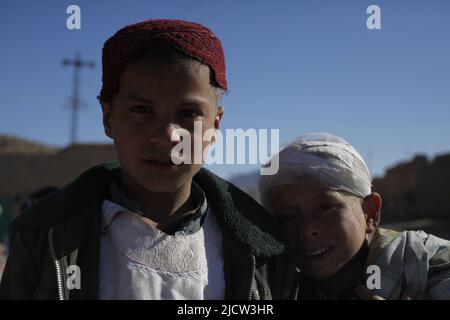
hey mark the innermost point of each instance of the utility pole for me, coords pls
(77, 63)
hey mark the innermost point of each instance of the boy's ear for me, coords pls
(106, 110)
(218, 118)
(372, 211)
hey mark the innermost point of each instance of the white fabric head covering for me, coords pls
(321, 160)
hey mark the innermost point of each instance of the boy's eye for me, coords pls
(328, 208)
(325, 207)
(141, 109)
(189, 113)
(284, 217)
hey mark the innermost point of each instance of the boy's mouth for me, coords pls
(317, 252)
(160, 162)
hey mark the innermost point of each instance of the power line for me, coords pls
(77, 63)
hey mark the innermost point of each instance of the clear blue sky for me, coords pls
(299, 66)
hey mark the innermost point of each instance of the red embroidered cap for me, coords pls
(132, 41)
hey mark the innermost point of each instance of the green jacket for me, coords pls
(63, 229)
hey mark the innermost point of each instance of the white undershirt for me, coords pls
(138, 261)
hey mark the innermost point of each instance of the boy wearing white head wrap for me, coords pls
(322, 197)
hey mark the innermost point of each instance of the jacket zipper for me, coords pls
(57, 263)
(252, 276)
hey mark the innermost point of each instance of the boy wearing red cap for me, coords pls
(146, 228)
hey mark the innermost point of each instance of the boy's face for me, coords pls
(325, 228)
(154, 98)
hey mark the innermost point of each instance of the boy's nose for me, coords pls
(165, 135)
(308, 230)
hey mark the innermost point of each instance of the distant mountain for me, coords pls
(30, 166)
(15, 145)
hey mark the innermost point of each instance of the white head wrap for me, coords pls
(321, 160)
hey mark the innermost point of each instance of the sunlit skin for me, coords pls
(317, 219)
(154, 98)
